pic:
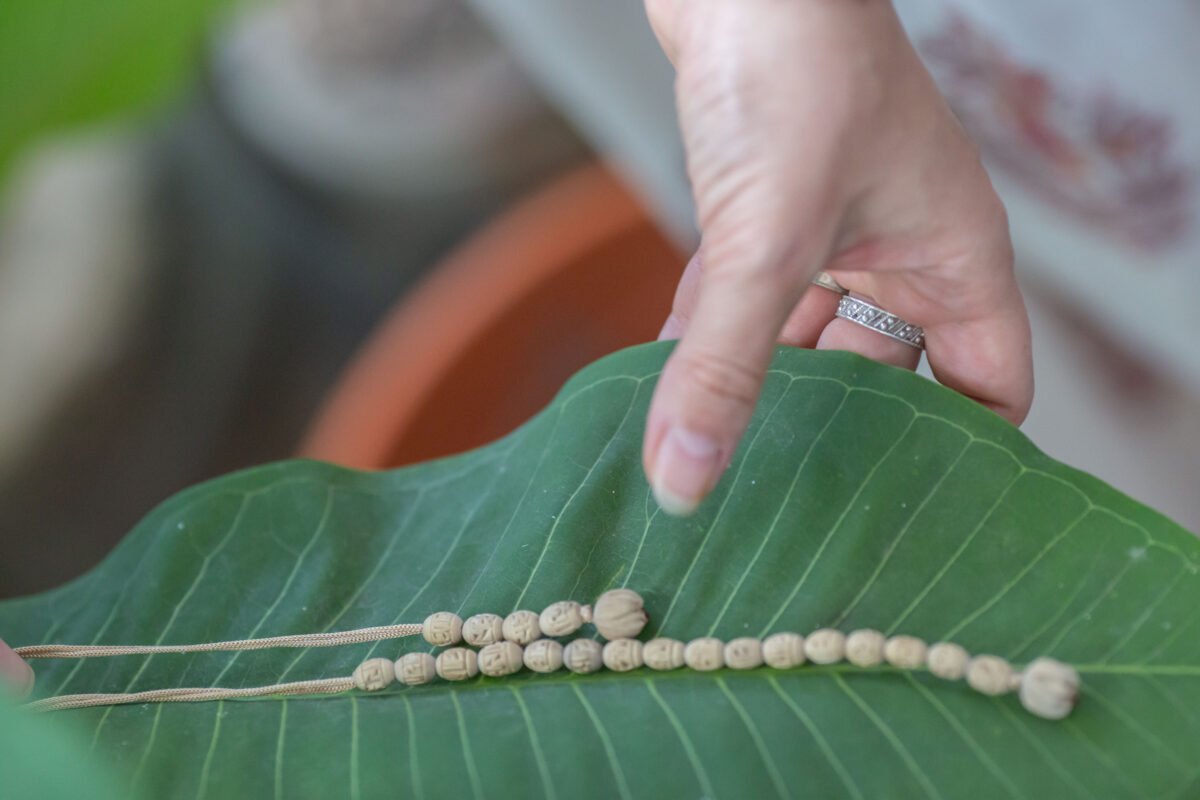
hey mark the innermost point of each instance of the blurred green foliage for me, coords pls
(66, 62)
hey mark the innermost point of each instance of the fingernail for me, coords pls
(686, 468)
(15, 672)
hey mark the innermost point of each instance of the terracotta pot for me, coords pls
(568, 275)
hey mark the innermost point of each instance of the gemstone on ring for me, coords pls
(859, 311)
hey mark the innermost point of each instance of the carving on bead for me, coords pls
(990, 675)
(583, 655)
(374, 674)
(1049, 688)
(864, 648)
(663, 654)
(442, 628)
(483, 629)
(905, 652)
(457, 664)
(544, 655)
(704, 654)
(500, 658)
(561, 619)
(622, 655)
(414, 669)
(947, 661)
(825, 646)
(521, 627)
(743, 653)
(784, 650)
(619, 614)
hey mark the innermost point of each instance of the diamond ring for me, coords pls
(871, 316)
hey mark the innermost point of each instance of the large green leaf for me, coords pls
(862, 496)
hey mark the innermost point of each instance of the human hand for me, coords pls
(15, 673)
(816, 139)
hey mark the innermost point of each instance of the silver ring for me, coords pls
(880, 321)
(826, 281)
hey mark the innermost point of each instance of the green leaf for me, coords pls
(863, 496)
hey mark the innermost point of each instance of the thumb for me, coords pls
(15, 673)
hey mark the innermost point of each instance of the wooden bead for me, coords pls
(457, 664)
(583, 655)
(374, 674)
(784, 650)
(704, 654)
(947, 661)
(743, 653)
(905, 652)
(990, 675)
(619, 614)
(500, 658)
(1049, 688)
(483, 629)
(521, 627)
(622, 655)
(544, 655)
(442, 628)
(825, 646)
(414, 669)
(562, 618)
(864, 648)
(663, 654)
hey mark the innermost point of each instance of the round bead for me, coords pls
(483, 629)
(743, 653)
(457, 664)
(414, 669)
(947, 660)
(561, 619)
(784, 650)
(622, 655)
(905, 652)
(442, 628)
(619, 614)
(521, 627)
(374, 674)
(864, 648)
(583, 655)
(544, 655)
(500, 658)
(825, 646)
(990, 675)
(704, 654)
(1049, 688)
(663, 654)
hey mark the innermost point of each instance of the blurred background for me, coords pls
(377, 231)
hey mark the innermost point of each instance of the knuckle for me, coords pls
(720, 378)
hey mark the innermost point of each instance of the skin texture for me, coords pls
(816, 139)
(15, 675)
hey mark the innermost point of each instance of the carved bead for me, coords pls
(905, 652)
(663, 654)
(521, 627)
(947, 660)
(442, 628)
(457, 664)
(583, 655)
(990, 675)
(865, 648)
(374, 674)
(743, 653)
(784, 650)
(500, 658)
(561, 619)
(1049, 688)
(544, 655)
(622, 655)
(414, 669)
(619, 614)
(704, 654)
(483, 629)
(825, 646)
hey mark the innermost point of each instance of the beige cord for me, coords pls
(192, 695)
(300, 640)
